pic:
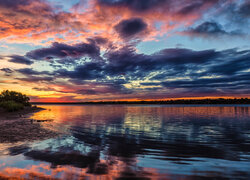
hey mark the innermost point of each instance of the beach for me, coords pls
(16, 127)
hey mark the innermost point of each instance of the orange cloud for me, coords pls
(38, 21)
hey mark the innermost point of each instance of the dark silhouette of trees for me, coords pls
(14, 96)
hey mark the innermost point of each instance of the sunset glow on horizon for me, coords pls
(125, 50)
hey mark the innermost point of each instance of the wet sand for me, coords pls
(16, 127)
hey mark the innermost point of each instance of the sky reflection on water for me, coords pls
(141, 142)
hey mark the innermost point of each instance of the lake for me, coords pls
(135, 141)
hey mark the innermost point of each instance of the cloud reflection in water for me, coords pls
(142, 142)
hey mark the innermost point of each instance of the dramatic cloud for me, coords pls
(38, 21)
(14, 4)
(130, 27)
(204, 72)
(221, 86)
(244, 10)
(232, 67)
(60, 50)
(20, 60)
(103, 88)
(88, 71)
(182, 7)
(34, 79)
(28, 71)
(210, 29)
(125, 49)
(6, 70)
(136, 5)
(126, 62)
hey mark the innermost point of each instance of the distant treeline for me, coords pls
(179, 101)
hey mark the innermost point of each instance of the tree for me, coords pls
(14, 96)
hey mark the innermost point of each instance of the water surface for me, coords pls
(135, 141)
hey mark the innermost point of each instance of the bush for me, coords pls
(11, 106)
(14, 97)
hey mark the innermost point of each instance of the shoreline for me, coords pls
(218, 101)
(17, 127)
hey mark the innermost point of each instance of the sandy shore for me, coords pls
(16, 127)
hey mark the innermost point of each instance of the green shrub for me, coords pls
(15, 97)
(11, 106)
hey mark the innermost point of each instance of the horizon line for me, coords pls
(171, 101)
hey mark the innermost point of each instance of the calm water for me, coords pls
(140, 142)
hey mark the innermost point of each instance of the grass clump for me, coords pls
(11, 106)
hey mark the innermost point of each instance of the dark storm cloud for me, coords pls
(97, 40)
(185, 56)
(231, 67)
(244, 9)
(13, 4)
(137, 5)
(190, 8)
(7, 70)
(227, 70)
(222, 85)
(88, 71)
(210, 82)
(60, 50)
(27, 7)
(29, 71)
(126, 62)
(211, 29)
(104, 88)
(130, 27)
(181, 7)
(35, 79)
(230, 85)
(235, 15)
(20, 60)
(168, 62)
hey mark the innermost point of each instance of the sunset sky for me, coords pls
(99, 50)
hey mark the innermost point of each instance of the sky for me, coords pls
(108, 50)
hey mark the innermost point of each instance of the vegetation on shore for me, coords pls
(15, 127)
(179, 101)
(13, 101)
